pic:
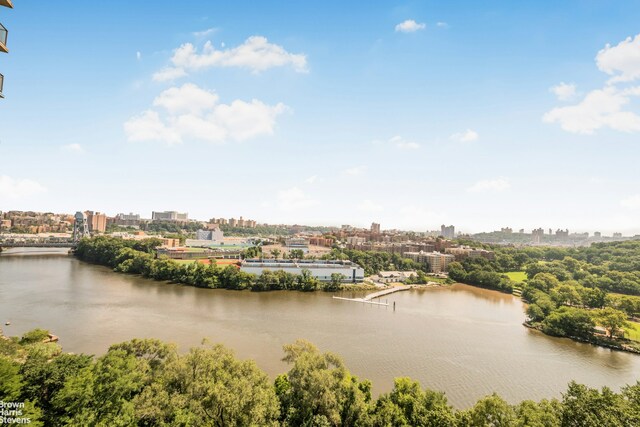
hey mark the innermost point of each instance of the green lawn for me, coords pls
(517, 276)
(633, 333)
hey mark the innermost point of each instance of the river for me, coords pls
(465, 341)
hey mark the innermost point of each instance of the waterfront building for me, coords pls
(169, 216)
(393, 276)
(320, 269)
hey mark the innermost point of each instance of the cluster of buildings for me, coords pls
(233, 222)
(35, 222)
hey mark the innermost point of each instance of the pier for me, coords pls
(367, 299)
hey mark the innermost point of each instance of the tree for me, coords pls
(409, 404)
(569, 322)
(318, 389)
(210, 387)
(102, 394)
(492, 411)
(612, 320)
(276, 252)
(583, 406)
(336, 282)
(296, 254)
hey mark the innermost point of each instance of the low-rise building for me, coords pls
(320, 269)
(436, 261)
(393, 276)
(462, 252)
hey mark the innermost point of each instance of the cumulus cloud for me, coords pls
(190, 112)
(73, 148)
(466, 136)
(490, 185)
(356, 170)
(601, 108)
(606, 108)
(255, 54)
(294, 199)
(564, 91)
(410, 26)
(631, 202)
(12, 188)
(621, 61)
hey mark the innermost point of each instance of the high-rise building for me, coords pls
(448, 232)
(3, 41)
(375, 228)
(536, 235)
(97, 221)
(169, 216)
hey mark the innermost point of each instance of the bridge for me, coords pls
(37, 244)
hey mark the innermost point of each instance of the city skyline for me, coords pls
(407, 114)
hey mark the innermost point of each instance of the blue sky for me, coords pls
(411, 114)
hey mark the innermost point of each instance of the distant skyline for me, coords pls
(409, 114)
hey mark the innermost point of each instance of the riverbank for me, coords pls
(626, 345)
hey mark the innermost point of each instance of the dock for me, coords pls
(367, 299)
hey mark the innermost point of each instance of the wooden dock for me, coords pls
(367, 299)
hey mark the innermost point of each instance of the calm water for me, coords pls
(462, 340)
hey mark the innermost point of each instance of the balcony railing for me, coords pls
(3, 39)
(6, 3)
(1, 84)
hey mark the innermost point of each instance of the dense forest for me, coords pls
(146, 382)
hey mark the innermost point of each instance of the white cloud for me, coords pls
(19, 188)
(73, 148)
(442, 25)
(410, 26)
(490, 185)
(600, 108)
(138, 55)
(621, 61)
(631, 202)
(606, 107)
(256, 54)
(564, 91)
(356, 170)
(402, 143)
(168, 73)
(189, 112)
(466, 136)
(294, 199)
(187, 98)
(369, 206)
(311, 179)
(205, 33)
